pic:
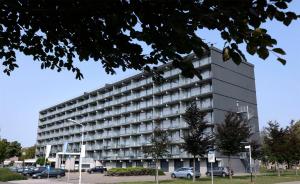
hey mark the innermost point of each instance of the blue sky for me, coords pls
(30, 89)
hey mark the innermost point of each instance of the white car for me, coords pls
(185, 172)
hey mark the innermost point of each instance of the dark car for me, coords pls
(98, 169)
(219, 171)
(34, 171)
(57, 173)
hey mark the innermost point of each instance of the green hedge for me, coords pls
(133, 171)
(7, 175)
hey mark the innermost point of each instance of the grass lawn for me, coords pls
(264, 179)
(7, 175)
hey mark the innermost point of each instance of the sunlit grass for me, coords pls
(269, 178)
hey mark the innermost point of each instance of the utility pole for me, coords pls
(249, 147)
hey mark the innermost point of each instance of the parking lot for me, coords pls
(91, 179)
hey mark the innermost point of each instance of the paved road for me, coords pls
(91, 179)
(292, 182)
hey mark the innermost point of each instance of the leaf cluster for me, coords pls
(115, 32)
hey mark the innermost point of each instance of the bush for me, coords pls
(7, 175)
(133, 171)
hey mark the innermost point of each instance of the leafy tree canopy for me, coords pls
(159, 144)
(41, 161)
(275, 142)
(14, 149)
(113, 32)
(197, 141)
(231, 133)
(3, 147)
(29, 153)
(9, 149)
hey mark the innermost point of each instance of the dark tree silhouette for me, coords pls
(230, 134)
(275, 143)
(113, 32)
(197, 140)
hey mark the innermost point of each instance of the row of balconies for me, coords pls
(132, 107)
(108, 125)
(100, 97)
(206, 104)
(122, 132)
(137, 83)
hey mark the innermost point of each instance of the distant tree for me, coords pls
(275, 143)
(41, 161)
(197, 140)
(159, 144)
(114, 32)
(14, 149)
(230, 134)
(293, 147)
(29, 153)
(3, 149)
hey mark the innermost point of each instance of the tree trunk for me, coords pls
(229, 167)
(254, 169)
(194, 169)
(278, 170)
(156, 173)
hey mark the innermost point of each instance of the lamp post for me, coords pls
(249, 147)
(81, 146)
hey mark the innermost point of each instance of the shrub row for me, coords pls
(133, 171)
(7, 175)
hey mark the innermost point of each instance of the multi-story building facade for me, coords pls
(119, 118)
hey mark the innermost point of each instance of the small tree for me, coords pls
(41, 161)
(230, 134)
(275, 143)
(196, 141)
(158, 148)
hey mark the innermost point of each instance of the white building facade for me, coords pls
(119, 118)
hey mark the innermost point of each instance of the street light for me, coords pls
(249, 147)
(81, 146)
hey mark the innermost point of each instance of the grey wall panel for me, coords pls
(244, 68)
(232, 77)
(234, 92)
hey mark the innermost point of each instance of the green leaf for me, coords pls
(251, 49)
(279, 51)
(263, 52)
(282, 61)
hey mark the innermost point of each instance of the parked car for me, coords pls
(219, 171)
(24, 169)
(31, 172)
(13, 169)
(99, 169)
(185, 172)
(57, 173)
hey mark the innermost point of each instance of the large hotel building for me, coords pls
(119, 118)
